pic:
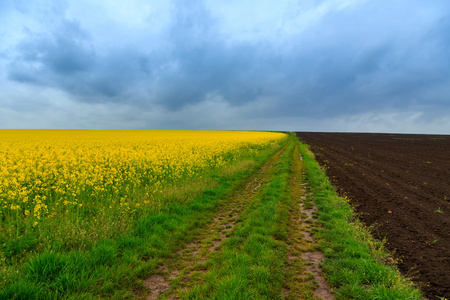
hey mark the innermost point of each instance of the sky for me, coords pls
(310, 65)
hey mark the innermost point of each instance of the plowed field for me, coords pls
(400, 184)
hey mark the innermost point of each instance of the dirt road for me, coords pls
(259, 245)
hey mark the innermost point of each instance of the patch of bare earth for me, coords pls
(157, 284)
(182, 273)
(305, 279)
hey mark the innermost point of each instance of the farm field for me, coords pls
(179, 215)
(73, 201)
(399, 184)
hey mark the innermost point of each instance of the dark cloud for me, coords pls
(204, 63)
(65, 58)
(372, 57)
(44, 58)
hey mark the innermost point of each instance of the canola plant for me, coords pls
(53, 173)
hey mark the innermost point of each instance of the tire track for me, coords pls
(175, 276)
(305, 278)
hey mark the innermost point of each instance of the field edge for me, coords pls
(356, 265)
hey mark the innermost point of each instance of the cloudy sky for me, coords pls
(310, 65)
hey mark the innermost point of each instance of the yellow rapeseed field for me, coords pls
(52, 173)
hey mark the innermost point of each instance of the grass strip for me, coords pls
(252, 262)
(113, 268)
(356, 265)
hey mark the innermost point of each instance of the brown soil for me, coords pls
(401, 185)
(158, 284)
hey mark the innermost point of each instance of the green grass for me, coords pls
(252, 261)
(356, 265)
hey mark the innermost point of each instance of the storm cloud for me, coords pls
(326, 65)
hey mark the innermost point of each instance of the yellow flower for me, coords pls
(47, 171)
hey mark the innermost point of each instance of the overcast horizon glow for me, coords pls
(314, 65)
